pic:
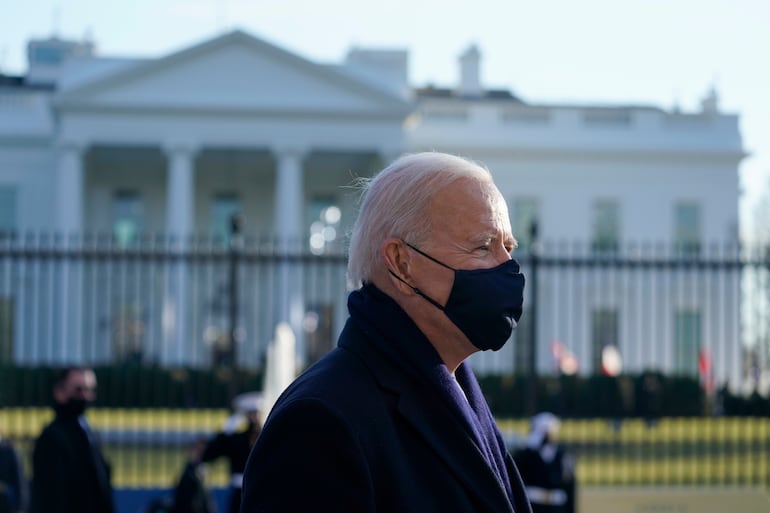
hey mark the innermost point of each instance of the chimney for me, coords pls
(710, 103)
(470, 81)
(46, 57)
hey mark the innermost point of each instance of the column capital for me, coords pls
(78, 146)
(290, 150)
(180, 147)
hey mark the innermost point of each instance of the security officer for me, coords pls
(236, 444)
(547, 469)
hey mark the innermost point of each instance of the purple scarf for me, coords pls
(401, 340)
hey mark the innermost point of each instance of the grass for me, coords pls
(676, 451)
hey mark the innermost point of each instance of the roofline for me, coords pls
(235, 35)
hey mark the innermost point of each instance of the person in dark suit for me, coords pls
(69, 473)
(190, 494)
(547, 468)
(235, 444)
(13, 485)
(392, 419)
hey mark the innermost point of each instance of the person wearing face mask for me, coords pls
(234, 443)
(69, 472)
(547, 468)
(393, 419)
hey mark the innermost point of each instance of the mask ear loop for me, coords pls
(428, 256)
(417, 291)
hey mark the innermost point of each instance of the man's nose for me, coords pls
(502, 255)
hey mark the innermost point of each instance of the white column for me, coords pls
(289, 200)
(180, 193)
(70, 183)
(289, 207)
(69, 224)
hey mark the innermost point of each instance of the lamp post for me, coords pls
(232, 310)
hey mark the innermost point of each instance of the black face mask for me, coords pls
(485, 304)
(72, 408)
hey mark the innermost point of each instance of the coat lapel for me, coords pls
(401, 358)
(454, 445)
(440, 428)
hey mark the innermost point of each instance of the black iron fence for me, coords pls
(642, 333)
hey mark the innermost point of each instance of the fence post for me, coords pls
(232, 313)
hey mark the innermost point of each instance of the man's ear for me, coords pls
(59, 394)
(397, 261)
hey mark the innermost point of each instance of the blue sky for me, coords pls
(651, 52)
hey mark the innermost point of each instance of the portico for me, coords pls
(173, 147)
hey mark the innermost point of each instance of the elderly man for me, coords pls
(392, 420)
(70, 474)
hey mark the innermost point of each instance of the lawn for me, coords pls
(675, 451)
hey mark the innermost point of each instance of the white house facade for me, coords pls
(601, 180)
(175, 145)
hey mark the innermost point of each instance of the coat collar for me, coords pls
(399, 361)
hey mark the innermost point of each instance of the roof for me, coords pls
(15, 81)
(430, 91)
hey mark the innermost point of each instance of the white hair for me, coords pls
(395, 204)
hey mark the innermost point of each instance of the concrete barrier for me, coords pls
(666, 499)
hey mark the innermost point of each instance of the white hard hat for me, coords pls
(545, 422)
(542, 424)
(248, 402)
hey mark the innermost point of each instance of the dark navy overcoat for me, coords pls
(359, 432)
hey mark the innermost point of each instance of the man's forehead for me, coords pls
(81, 376)
(472, 201)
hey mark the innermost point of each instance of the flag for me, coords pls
(705, 370)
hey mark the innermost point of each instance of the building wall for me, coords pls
(28, 170)
(238, 106)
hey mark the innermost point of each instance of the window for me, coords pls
(686, 342)
(604, 332)
(127, 217)
(687, 240)
(524, 213)
(324, 220)
(606, 226)
(7, 209)
(223, 206)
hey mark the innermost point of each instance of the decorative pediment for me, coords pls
(234, 72)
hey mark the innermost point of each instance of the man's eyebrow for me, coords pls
(483, 237)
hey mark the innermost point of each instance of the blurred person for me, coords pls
(69, 473)
(650, 398)
(235, 444)
(13, 485)
(392, 419)
(546, 467)
(190, 494)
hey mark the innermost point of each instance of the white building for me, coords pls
(598, 179)
(174, 145)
